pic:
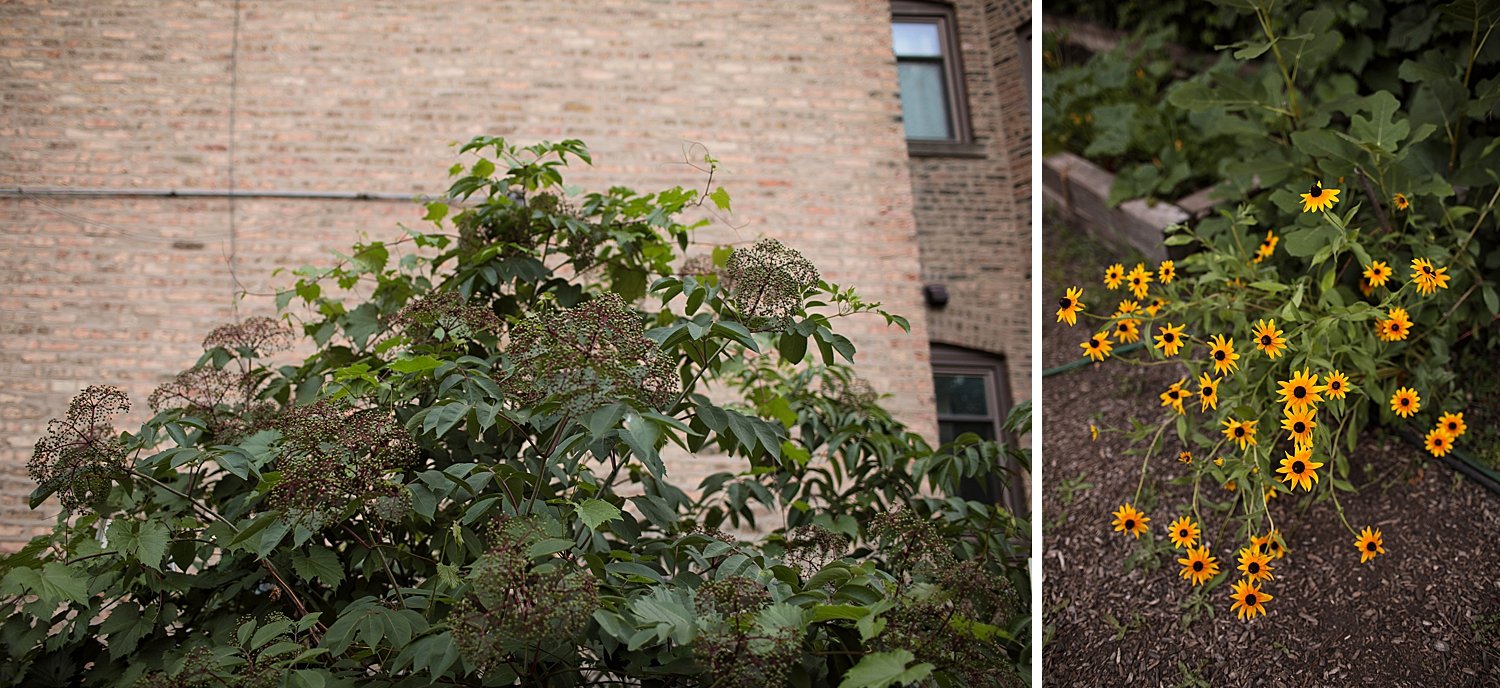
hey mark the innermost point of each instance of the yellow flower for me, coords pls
(1267, 247)
(1338, 385)
(1270, 494)
(1094, 432)
(1185, 456)
(1139, 279)
(1208, 393)
(1127, 307)
(1255, 565)
(1365, 287)
(1301, 391)
(1401, 201)
(1130, 521)
(1184, 532)
(1453, 424)
(1113, 276)
(1221, 350)
(1269, 544)
(1405, 402)
(1231, 486)
(1300, 425)
(1069, 306)
(1319, 198)
(1097, 347)
(1369, 544)
(1438, 442)
(1248, 600)
(1170, 339)
(1198, 567)
(1166, 272)
(1241, 431)
(1268, 338)
(1219, 462)
(1377, 273)
(1128, 330)
(1174, 396)
(1155, 307)
(1300, 469)
(1428, 279)
(1396, 327)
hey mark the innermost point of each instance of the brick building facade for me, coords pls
(799, 100)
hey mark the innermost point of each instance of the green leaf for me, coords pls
(548, 547)
(881, 669)
(319, 562)
(436, 211)
(596, 512)
(1380, 129)
(417, 364)
(151, 543)
(847, 612)
(483, 169)
(125, 627)
(53, 584)
(641, 435)
(372, 258)
(720, 197)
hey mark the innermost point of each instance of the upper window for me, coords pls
(925, 38)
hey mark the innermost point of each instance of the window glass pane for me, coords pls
(962, 395)
(916, 39)
(924, 101)
(950, 430)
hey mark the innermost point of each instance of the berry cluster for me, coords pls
(81, 453)
(766, 283)
(335, 459)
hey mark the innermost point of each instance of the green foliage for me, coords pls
(464, 483)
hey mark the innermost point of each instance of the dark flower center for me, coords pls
(1395, 327)
(1452, 426)
(1250, 599)
(1299, 391)
(1405, 401)
(1066, 302)
(1254, 567)
(1299, 427)
(1427, 269)
(1167, 337)
(1208, 391)
(1265, 548)
(1370, 546)
(1129, 524)
(1437, 441)
(1335, 385)
(1197, 566)
(1218, 355)
(1239, 432)
(1182, 533)
(1265, 340)
(1298, 467)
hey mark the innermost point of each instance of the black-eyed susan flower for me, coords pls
(1248, 600)
(1271, 494)
(1130, 521)
(1299, 469)
(1337, 385)
(1255, 565)
(1221, 352)
(1369, 543)
(1094, 432)
(1185, 457)
(1439, 443)
(1405, 402)
(1275, 544)
(1319, 198)
(1242, 432)
(1184, 532)
(1453, 424)
(1127, 307)
(1174, 396)
(1377, 273)
(1155, 307)
(1139, 280)
(1199, 566)
(1166, 272)
(1128, 330)
(1300, 424)
(1267, 247)
(1208, 393)
(1097, 347)
(1231, 486)
(1365, 287)
(1301, 391)
(1396, 327)
(1113, 276)
(1170, 340)
(1401, 201)
(1428, 278)
(1268, 338)
(1069, 306)
(1219, 462)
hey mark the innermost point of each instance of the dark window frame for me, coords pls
(962, 143)
(954, 360)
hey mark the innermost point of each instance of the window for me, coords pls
(924, 36)
(972, 397)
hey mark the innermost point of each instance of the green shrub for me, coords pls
(463, 484)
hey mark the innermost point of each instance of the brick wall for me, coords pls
(974, 213)
(798, 100)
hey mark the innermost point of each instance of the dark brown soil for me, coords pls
(1427, 613)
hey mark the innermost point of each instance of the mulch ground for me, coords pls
(1427, 613)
